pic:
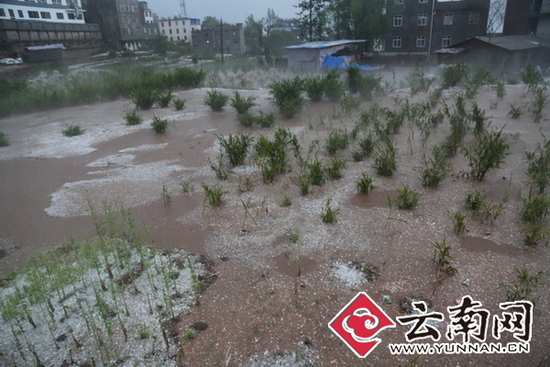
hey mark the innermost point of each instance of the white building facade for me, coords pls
(53, 11)
(179, 29)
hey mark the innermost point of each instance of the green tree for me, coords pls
(210, 22)
(313, 15)
(277, 40)
(254, 35)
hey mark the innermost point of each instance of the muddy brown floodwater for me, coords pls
(273, 297)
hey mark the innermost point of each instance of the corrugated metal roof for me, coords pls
(46, 47)
(323, 44)
(513, 43)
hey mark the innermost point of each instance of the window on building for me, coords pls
(397, 42)
(446, 41)
(473, 18)
(171, 38)
(20, 13)
(129, 31)
(184, 30)
(177, 30)
(176, 22)
(178, 38)
(422, 19)
(70, 16)
(60, 15)
(33, 14)
(12, 15)
(42, 1)
(169, 24)
(45, 15)
(2, 12)
(422, 1)
(397, 20)
(398, 2)
(185, 37)
(56, 2)
(170, 31)
(163, 32)
(448, 19)
(420, 41)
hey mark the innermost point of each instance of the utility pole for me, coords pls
(221, 33)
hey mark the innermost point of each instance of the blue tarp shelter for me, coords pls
(313, 55)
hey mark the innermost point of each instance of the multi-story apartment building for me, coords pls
(52, 11)
(527, 17)
(423, 26)
(179, 29)
(209, 40)
(124, 24)
(37, 25)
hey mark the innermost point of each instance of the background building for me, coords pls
(32, 27)
(209, 40)
(124, 24)
(423, 26)
(179, 29)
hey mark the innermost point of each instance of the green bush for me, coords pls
(532, 76)
(314, 88)
(159, 125)
(333, 87)
(453, 75)
(329, 215)
(241, 104)
(435, 168)
(287, 96)
(187, 77)
(334, 171)
(489, 151)
(418, 82)
(216, 100)
(262, 120)
(236, 147)
(213, 194)
(179, 104)
(316, 173)
(535, 208)
(538, 166)
(132, 118)
(72, 130)
(164, 99)
(370, 86)
(144, 97)
(4, 141)
(354, 79)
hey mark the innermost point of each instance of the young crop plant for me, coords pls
(216, 100)
(370, 86)
(72, 130)
(535, 233)
(538, 103)
(485, 209)
(329, 214)
(179, 103)
(459, 221)
(4, 141)
(287, 96)
(442, 255)
(418, 82)
(478, 118)
(386, 158)
(164, 99)
(367, 145)
(316, 174)
(144, 97)
(532, 76)
(489, 151)
(523, 285)
(354, 79)
(349, 104)
(364, 183)
(538, 166)
(454, 75)
(336, 141)
(406, 198)
(334, 171)
(314, 88)
(286, 201)
(435, 168)
(501, 90)
(133, 118)
(242, 105)
(333, 87)
(293, 235)
(535, 208)
(236, 147)
(159, 125)
(515, 111)
(213, 194)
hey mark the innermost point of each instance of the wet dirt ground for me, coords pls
(273, 297)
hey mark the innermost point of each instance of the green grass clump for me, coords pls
(435, 168)
(4, 141)
(236, 147)
(216, 100)
(538, 166)
(523, 285)
(144, 97)
(316, 173)
(406, 198)
(164, 99)
(159, 125)
(133, 118)
(314, 88)
(241, 104)
(454, 75)
(459, 221)
(535, 208)
(72, 130)
(334, 171)
(286, 201)
(364, 183)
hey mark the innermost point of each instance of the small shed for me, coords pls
(502, 53)
(46, 53)
(313, 55)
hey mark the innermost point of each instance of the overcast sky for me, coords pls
(232, 11)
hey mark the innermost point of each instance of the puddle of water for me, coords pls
(287, 265)
(479, 244)
(377, 199)
(279, 240)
